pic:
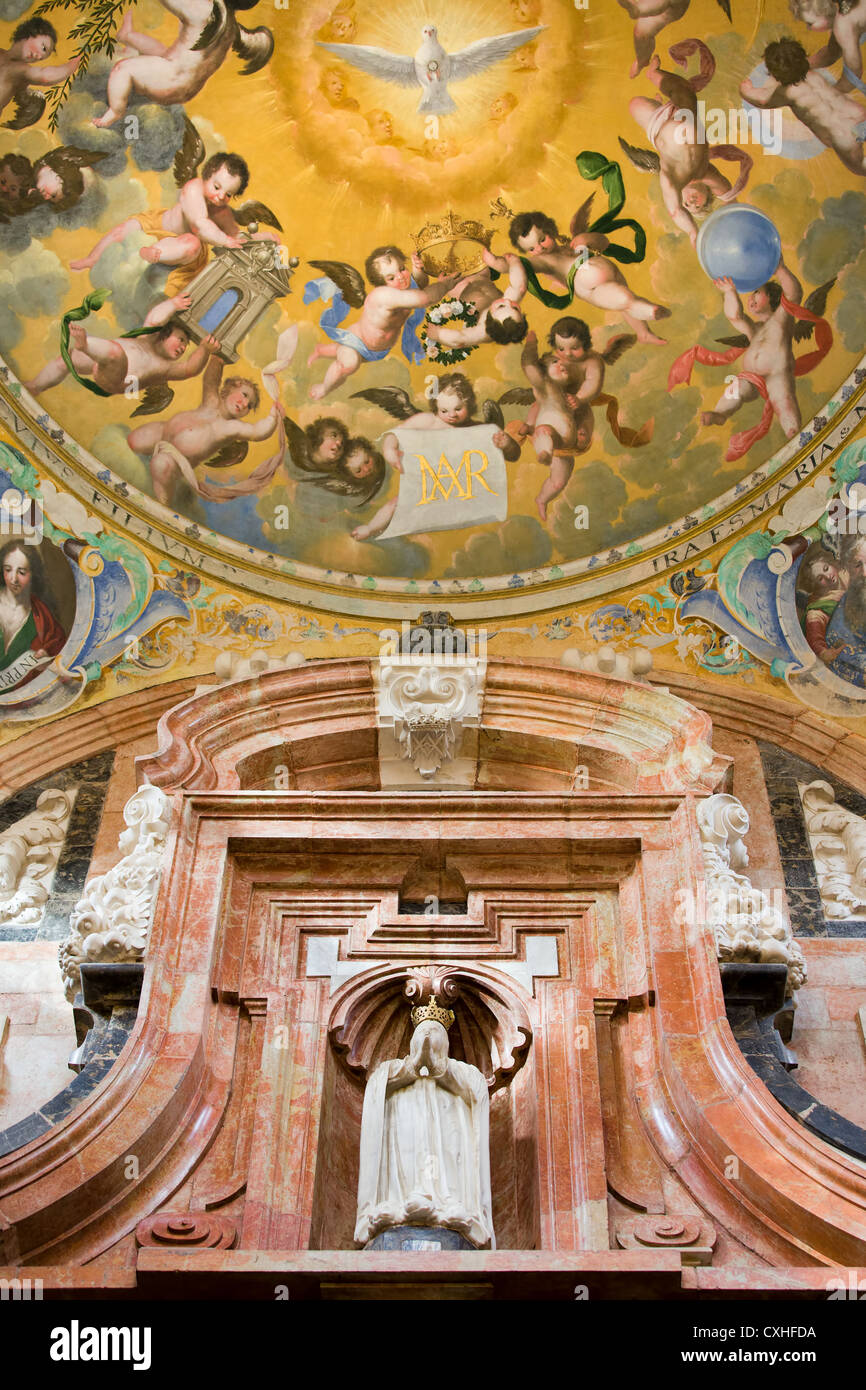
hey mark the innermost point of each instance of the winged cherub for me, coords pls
(327, 457)
(680, 155)
(650, 17)
(432, 68)
(214, 436)
(454, 406)
(31, 41)
(847, 20)
(55, 179)
(200, 218)
(765, 340)
(577, 263)
(386, 310)
(150, 360)
(170, 74)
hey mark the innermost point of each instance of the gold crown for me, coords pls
(422, 1012)
(437, 242)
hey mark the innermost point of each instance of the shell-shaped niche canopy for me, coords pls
(372, 1018)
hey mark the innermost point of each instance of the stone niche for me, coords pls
(369, 1023)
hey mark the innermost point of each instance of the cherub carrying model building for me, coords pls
(200, 218)
(143, 361)
(171, 74)
(215, 435)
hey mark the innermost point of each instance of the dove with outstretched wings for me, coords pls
(432, 68)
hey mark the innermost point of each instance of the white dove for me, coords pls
(432, 68)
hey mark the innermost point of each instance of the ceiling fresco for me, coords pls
(564, 354)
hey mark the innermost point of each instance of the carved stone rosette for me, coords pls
(746, 925)
(195, 1230)
(692, 1238)
(111, 919)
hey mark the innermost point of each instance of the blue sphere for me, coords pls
(740, 242)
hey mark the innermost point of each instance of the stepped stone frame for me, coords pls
(626, 1091)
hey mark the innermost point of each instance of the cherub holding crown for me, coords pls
(398, 293)
(170, 74)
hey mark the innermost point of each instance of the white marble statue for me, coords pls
(838, 841)
(746, 924)
(425, 1155)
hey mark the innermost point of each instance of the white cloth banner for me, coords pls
(12, 675)
(451, 478)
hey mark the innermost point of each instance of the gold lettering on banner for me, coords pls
(446, 473)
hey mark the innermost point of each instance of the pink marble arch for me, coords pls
(631, 1094)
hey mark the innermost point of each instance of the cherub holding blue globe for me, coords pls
(835, 118)
(776, 319)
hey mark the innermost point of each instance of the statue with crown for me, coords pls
(424, 1181)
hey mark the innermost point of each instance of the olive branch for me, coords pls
(95, 33)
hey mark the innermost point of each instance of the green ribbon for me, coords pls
(592, 166)
(91, 304)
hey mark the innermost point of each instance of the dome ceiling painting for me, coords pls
(464, 298)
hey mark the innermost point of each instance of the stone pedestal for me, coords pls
(427, 1239)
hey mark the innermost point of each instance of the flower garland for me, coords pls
(450, 312)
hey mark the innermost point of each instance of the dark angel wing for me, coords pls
(154, 399)
(392, 399)
(256, 212)
(255, 46)
(737, 340)
(347, 279)
(29, 107)
(190, 155)
(228, 455)
(78, 158)
(580, 220)
(725, 7)
(518, 395)
(816, 304)
(298, 447)
(214, 27)
(619, 344)
(647, 160)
